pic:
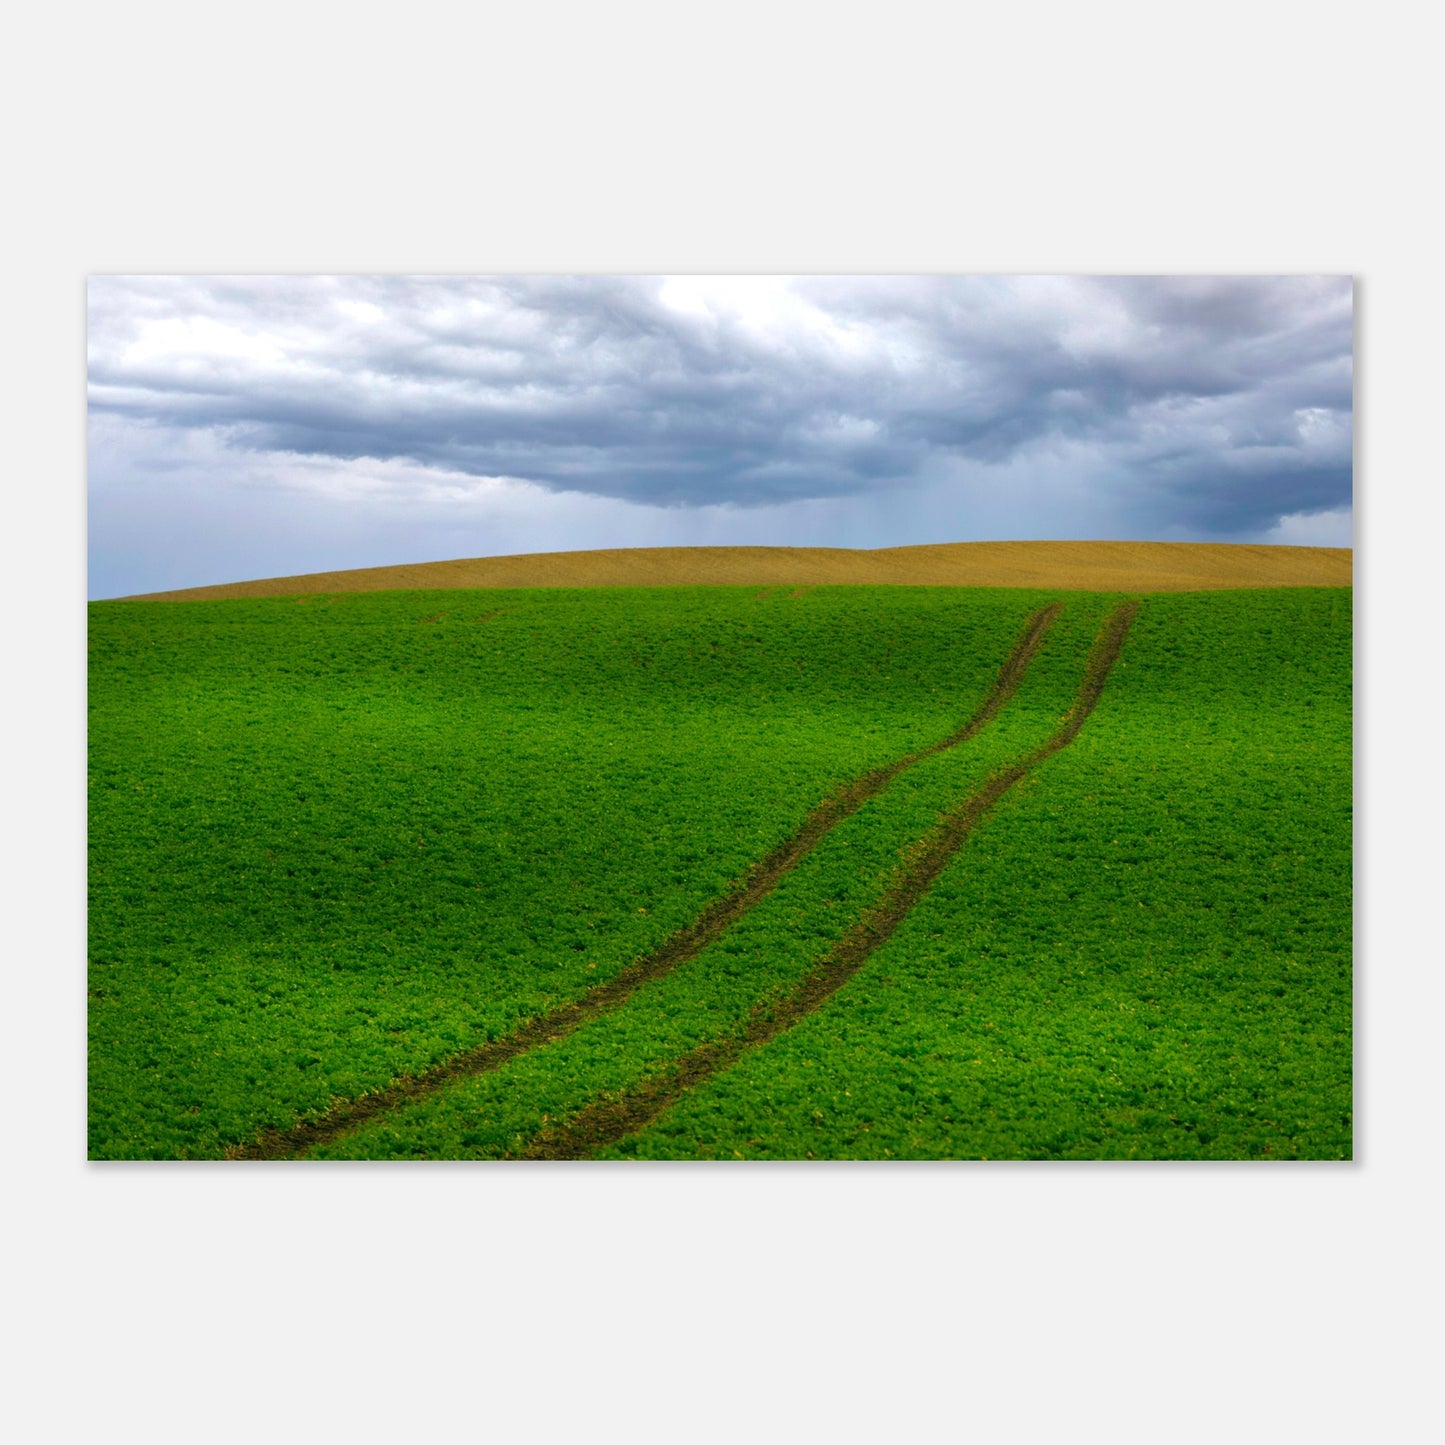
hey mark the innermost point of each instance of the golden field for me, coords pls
(1085, 566)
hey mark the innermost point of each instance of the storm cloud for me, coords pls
(830, 409)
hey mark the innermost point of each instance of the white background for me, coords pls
(1004, 1302)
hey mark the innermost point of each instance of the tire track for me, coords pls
(347, 1114)
(608, 1120)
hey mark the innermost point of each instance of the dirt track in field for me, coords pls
(1066, 566)
(609, 1120)
(344, 1116)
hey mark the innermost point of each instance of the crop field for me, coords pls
(722, 872)
(1093, 566)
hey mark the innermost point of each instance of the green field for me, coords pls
(446, 875)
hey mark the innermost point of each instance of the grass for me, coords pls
(342, 838)
(333, 840)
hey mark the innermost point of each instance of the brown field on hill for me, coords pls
(1081, 566)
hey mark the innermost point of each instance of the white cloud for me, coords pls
(1314, 529)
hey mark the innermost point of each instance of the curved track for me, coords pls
(346, 1115)
(609, 1120)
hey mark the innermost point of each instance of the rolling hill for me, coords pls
(1093, 566)
(776, 870)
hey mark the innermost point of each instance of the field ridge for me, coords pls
(347, 1114)
(1066, 566)
(607, 1121)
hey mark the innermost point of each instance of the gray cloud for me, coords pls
(1180, 406)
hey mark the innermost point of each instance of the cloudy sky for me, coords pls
(251, 426)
